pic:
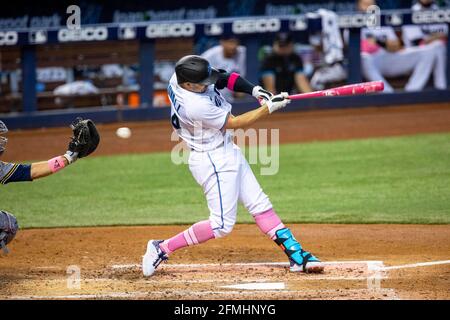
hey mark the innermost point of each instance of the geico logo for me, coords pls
(298, 24)
(8, 38)
(213, 29)
(84, 34)
(260, 25)
(355, 21)
(170, 30)
(394, 19)
(431, 16)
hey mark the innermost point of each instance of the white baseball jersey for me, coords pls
(216, 163)
(199, 118)
(413, 33)
(235, 64)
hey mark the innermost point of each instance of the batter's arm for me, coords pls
(235, 82)
(246, 119)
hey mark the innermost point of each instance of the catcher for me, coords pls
(84, 141)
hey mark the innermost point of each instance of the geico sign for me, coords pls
(84, 34)
(8, 38)
(164, 30)
(431, 16)
(256, 26)
(353, 21)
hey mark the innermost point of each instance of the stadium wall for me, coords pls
(250, 29)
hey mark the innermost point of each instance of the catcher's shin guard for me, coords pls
(298, 257)
(8, 229)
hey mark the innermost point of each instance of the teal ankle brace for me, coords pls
(286, 240)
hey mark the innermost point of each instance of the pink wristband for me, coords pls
(56, 164)
(232, 80)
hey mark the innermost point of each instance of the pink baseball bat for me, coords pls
(348, 90)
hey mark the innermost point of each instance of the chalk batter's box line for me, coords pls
(250, 280)
(140, 294)
(245, 264)
(373, 265)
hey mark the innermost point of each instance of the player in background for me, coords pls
(282, 70)
(228, 55)
(434, 31)
(329, 42)
(84, 142)
(431, 35)
(201, 117)
(382, 55)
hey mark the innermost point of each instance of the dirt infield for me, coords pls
(356, 256)
(363, 261)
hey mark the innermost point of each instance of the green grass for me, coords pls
(390, 180)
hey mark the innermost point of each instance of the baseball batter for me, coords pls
(84, 142)
(201, 116)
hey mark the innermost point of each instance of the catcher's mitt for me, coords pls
(85, 137)
(8, 229)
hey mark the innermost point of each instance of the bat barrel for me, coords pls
(348, 90)
(372, 86)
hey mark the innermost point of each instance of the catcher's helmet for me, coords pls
(195, 69)
(3, 140)
(8, 229)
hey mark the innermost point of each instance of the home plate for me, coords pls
(257, 286)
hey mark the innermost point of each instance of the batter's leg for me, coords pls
(259, 206)
(196, 234)
(221, 195)
(159, 250)
(217, 174)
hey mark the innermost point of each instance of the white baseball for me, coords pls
(123, 132)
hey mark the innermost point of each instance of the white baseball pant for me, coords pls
(440, 66)
(420, 61)
(227, 178)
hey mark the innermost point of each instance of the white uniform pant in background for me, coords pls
(227, 178)
(440, 66)
(420, 62)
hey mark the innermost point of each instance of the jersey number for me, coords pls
(175, 121)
